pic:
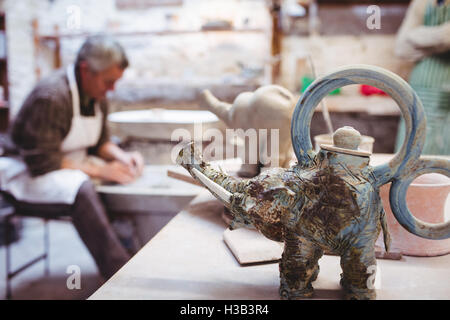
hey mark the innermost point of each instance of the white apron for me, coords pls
(59, 186)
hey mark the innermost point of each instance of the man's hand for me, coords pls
(113, 171)
(116, 171)
(119, 167)
(134, 161)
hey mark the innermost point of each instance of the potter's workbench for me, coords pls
(188, 259)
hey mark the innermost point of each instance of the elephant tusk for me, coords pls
(216, 189)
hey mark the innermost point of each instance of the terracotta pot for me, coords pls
(426, 199)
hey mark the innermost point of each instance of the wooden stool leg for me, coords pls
(8, 258)
(47, 247)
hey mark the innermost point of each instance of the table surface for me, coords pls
(188, 259)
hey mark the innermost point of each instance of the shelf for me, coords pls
(374, 105)
(145, 33)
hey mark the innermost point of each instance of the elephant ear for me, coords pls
(398, 169)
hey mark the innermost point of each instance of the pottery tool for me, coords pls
(325, 113)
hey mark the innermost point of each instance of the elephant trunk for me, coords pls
(219, 108)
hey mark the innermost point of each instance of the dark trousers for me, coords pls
(90, 219)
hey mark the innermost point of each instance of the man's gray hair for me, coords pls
(101, 53)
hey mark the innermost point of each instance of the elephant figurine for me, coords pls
(269, 107)
(329, 201)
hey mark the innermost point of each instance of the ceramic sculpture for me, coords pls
(329, 201)
(268, 107)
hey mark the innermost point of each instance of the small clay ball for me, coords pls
(347, 138)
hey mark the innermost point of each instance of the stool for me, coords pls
(44, 212)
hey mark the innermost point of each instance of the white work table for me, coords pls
(189, 260)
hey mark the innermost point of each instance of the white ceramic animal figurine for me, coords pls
(268, 107)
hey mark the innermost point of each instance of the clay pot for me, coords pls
(426, 200)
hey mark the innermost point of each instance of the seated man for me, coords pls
(60, 126)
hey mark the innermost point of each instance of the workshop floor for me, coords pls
(66, 249)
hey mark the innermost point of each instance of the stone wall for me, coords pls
(168, 67)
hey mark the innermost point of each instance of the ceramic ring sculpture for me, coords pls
(397, 198)
(401, 170)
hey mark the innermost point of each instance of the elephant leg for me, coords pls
(298, 267)
(359, 266)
